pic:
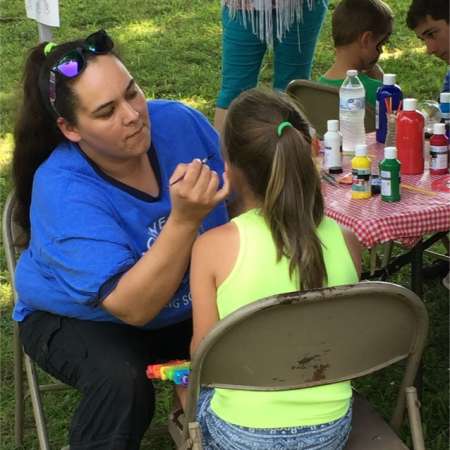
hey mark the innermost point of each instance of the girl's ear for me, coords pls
(69, 131)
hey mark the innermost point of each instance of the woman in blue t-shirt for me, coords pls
(111, 191)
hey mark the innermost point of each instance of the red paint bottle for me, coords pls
(410, 138)
(439, 150)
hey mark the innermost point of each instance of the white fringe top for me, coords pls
(287, 12)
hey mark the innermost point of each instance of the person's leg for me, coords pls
(242, 54)
(107, 363)
(293, 56)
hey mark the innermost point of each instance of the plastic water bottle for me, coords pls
(389, 95)
(352, 108)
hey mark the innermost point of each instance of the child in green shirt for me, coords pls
(360, 28)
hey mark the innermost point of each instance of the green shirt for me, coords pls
(370, 85)
(257, 274)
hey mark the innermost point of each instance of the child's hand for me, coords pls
(375, 72)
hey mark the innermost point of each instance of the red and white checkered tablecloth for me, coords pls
(374, 221)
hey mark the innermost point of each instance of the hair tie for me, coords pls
(49, 47)
(282, 126)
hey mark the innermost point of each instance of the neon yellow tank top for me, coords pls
(257, 274)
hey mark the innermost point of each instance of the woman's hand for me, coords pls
(194, 191)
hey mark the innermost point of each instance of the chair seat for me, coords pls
(370, 431)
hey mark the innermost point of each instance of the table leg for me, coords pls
(417, 287)
(417, 269)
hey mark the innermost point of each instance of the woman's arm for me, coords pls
(147, 287)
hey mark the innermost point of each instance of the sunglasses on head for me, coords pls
(74, 62)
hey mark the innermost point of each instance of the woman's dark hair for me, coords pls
(419, 9)
(281, 173)
(36, 133)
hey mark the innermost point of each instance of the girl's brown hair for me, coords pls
(281, 173)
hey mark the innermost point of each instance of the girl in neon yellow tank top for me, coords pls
(280, 242)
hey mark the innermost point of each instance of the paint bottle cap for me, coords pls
(333, 125)
(389, 79)
(439, 128)
(409, 104)
(352, 73)
(444, 97)
(361, 150)
(390, 152)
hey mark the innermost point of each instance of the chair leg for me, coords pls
(36, 402)
(415, 422)
(196, 436)
(18, 387)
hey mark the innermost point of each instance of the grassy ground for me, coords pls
(173, 50)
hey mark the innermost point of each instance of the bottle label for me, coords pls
(385, 174)
(386, 187)
(439, 157)
(352, 104)
(377, 115)
(361, 180)
(332, 156)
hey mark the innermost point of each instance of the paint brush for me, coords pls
(203, 161)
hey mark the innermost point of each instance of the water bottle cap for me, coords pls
(444, 97)
(390, 152)
(389, 78)
(361, 150)
(439, 128)
(333, 125)
(409, 104)
(352, 73)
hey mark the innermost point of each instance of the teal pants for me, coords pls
(243, 52)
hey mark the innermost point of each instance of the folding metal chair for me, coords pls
(11, 237)
(320, 102)
(305, 339)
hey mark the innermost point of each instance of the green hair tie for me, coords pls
(282, 126)
(49, 47)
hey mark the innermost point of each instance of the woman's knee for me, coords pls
(126, 381)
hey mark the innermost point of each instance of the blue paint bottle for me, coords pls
(444, 106)
(388, 95)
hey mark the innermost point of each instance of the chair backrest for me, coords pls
(11, 233)
(305, 339)
(320, 102)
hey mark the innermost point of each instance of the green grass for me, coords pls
(172, 47)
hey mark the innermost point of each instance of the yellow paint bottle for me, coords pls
(361, 173)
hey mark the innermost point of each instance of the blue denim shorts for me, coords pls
(220, 435)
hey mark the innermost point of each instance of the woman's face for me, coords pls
(112, 117)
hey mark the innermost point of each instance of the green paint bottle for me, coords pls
(390, 175)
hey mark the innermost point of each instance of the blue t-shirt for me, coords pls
(88, 229)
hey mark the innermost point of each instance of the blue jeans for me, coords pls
(220, 435)
(243, 52)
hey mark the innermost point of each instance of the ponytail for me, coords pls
(35, 136)
(293, 208)
(281, 173)
(36, 133)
